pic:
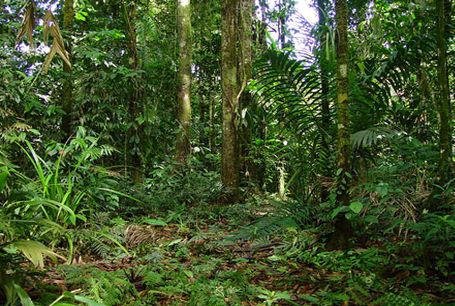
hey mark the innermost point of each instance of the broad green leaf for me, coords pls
(156, 222)
(338, 210)
(382, 189)
(371, 219)
(81, 16)
(356, 207)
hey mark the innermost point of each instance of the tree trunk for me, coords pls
(230, 89)
(184, 79)
(203, 139)
(343, 148)
(282, 23)
(343, 228)
(236, 70)
(258, 170)
(445, 130)
(245, 72)
(212, 132)
(67, 94)
(262, 40)
(132, 134)
(325, 104)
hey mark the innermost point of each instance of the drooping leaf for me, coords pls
(52, 29)
(23, 296)
(28, 24)
(34, 251)
(49, 58)
(370, 137)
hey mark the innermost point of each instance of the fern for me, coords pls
(99, 242)
(108, 288)
(394, 299)
(289, 215)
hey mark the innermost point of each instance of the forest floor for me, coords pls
(231, 255)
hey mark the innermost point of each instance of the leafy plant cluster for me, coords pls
(46, 201)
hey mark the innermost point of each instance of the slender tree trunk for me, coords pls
(203, 139)
(262, 167)
(263, 27)
(445, 129)
(230, 89)
(184, 79)
(343, 228)
(245, 72)
(282, 23)
(132, 134)
(258, 170)
(67, 94)
(323, 64)
(325, 104)
(212, 135)
(343, 149)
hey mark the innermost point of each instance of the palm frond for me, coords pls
(371, 136)
(289, 89)
(34, 251)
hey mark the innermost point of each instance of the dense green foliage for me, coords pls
(98, 206)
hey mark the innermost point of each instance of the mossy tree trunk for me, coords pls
(230, 89)
(343, 228)
(67, 93)
(236, 69)
(445, 129)
(184, 79)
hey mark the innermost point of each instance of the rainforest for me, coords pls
(227, 152)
